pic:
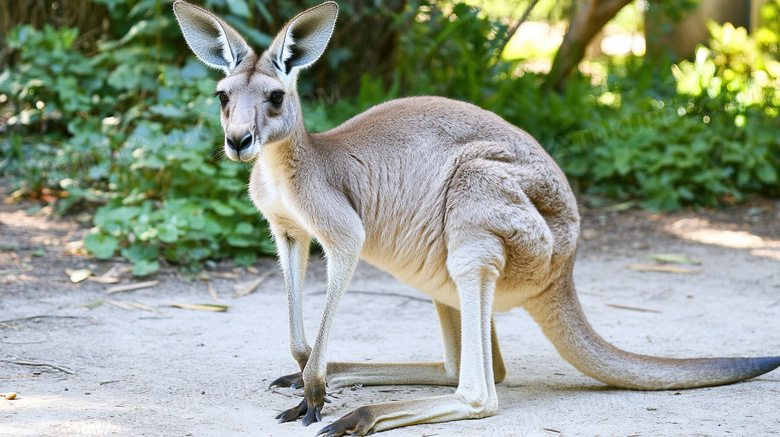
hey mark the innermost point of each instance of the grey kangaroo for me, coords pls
(447, 197)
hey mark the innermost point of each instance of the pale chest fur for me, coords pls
(272, 193)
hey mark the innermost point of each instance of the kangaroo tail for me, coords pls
(558, 312)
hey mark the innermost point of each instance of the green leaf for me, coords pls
(101, 245)
(222, 208)
(167, 111)
(243, 228)
(139, 251)
(245, 258)
(194, 70)
(144, 267)
(766, 173)
(239, 7)
(168, 233)
(197, 220)
(239, 240)
(244, 206)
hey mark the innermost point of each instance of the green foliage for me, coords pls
(133, 129)
(704, 135)
(670, 160)
(130, 129)
(458, 50)
(768, 35)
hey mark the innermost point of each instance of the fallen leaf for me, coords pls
(250, 287)
(131, 287)
(9, 396)
(227, 275)
(118, 304)
(661, 268)
(199, 307)
(103, 280)
(79, 275)
(213, 293)
(113, 272)
(74, 247)
(94, 304)
(622, 206)
(252, 270)
(145, 307)
(672, 258)
(623, 307)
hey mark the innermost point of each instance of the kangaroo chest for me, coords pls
(270, 191)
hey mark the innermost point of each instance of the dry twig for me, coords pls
(661, 268)
(623, 307)
(379, 293)
(252, 286)
(44, 316)
(131, 287)
(30, 363)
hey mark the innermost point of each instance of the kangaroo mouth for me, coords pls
(245, 156)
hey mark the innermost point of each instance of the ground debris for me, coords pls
(661, 268)
(251, 287)
(79, 275)
(623, 307)
(132, 287)
(31, 363)
(199, 307)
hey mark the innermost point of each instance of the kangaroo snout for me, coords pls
(243, 143)
(238, 144)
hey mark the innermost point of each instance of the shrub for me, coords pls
(131, 131)
(131, 126)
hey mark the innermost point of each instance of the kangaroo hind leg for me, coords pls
(475, 396)
(445, 372)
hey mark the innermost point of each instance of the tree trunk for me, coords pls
(589, 18)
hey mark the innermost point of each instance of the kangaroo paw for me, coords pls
(294, 380)
(357, 423)
(315, 396)
(293, 413)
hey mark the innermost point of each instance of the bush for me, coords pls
(112, 129)
(131, 127)
(704, 136)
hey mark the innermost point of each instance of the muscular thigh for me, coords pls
(491, 221)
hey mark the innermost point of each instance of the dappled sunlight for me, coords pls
(61, 416)
(701, 231)
(769, 253)
(20, 219)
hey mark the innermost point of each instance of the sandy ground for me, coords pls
(194, 373)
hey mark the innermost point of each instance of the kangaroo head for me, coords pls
(258, 95)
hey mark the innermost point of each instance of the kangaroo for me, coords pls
(449, 198)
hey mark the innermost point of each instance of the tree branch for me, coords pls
(512, 30)
(588, 20)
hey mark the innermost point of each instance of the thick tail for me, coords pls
(558, 312)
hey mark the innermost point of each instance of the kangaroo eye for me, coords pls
(223, 98)
(277, 97)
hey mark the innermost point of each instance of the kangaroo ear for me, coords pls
(302, 41)
(212, 40)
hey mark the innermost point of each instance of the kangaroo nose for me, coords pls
(245, 142)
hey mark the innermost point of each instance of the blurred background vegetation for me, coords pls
(104, 112)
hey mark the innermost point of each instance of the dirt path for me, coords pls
(194, 373)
